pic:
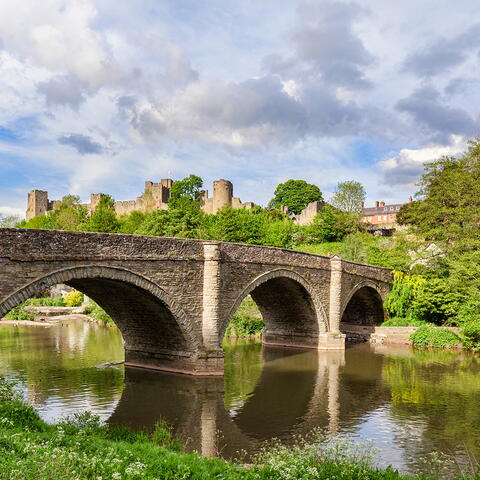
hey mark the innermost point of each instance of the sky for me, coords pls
(101, 95)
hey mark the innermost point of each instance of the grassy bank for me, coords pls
(81, 448)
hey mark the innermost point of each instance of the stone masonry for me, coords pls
(172, 298)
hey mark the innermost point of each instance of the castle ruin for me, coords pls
(154, 197)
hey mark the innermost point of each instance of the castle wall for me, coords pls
(306, 216)
(155, 197)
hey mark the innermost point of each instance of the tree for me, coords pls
(296, 195)
(349, 196)
(447, 209)
(188, 188)
(103, 219)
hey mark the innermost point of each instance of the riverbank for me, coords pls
(81, 448)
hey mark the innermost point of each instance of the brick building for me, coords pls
(382, 219)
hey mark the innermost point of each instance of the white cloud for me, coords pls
(405, 168)
(9, 211)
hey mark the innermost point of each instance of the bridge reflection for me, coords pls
(296, 391)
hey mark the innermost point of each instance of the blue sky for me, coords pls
(99, 96)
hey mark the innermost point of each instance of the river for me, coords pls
(407, 403)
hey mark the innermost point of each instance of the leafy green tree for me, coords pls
(447, 209)
(132, 222)
(240, 225)
(188, 188)
(349, 196)
(103, 219)
(296, 195)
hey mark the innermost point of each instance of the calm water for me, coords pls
(409, 403)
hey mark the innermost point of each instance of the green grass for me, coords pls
(429, 336)
(403, 322)
(328, 248)
(81, 448)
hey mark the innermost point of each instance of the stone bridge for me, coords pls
(172, 298)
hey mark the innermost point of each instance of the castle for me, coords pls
(154, 197)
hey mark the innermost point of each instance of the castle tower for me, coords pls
(94, 201)
(37, 203)
(222, 194)
(166, 189)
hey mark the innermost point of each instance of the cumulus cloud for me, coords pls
(11, 211)
(405, 168)
(438, 119)
(83, 144)
(62, 90)
(445, 53)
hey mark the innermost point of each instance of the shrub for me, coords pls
(98, 313)
(428, 336)
(19, 313)
(73, 299)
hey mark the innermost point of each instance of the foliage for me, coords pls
(295, 194)
(19, 313)
(103, 219)
(389, 252)
(188, 188)
(349, 196)
(73, 298)
(182, 222)
(131, 223)
(448, 207)
(428, 336)
(98, 313)
(247, 320)
(405, 289)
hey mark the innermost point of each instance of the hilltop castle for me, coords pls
(154, 197)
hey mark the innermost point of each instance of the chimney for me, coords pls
(376, 203)
(382, 204)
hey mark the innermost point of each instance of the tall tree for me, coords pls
(349, 196)
(447, 209)
(296, 195)
(186, 189)
(103, 219)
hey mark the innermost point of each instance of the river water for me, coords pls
(407, 403)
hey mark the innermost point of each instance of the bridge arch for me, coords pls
(363, 305)
(292, 312)
(150, 321)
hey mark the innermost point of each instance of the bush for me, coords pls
(246, 321)
(428, 336)
(19, 313)
(98, 313)
(73, 299)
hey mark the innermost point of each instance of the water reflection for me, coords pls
(409, 402)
